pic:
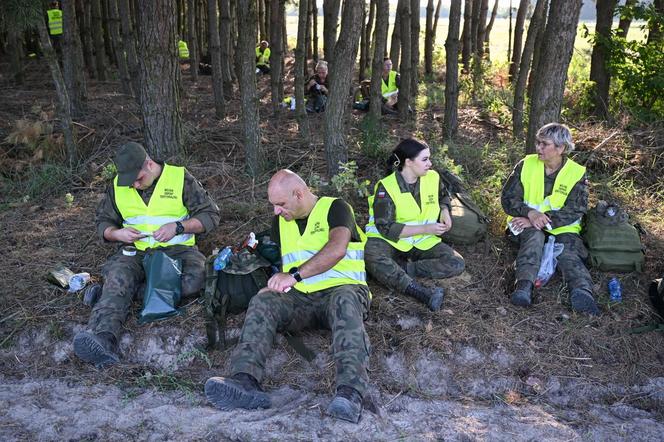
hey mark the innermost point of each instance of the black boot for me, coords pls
(432, 297)
(99, 349)
(583, 302)
(91, 294)
(523, 293)
(241, 390)
(346, 405)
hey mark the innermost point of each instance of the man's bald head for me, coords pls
(286, 180)
(290, 195)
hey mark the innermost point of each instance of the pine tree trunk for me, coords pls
(121, 56)
(451, 123)
(414, 47)
(403, 9)
(277, 12)
(129, 45)
(341, 76)
(15, 42)
(64, 110)
(536, 22)
(314, 37)
(98, 37)
(108, 42)
(428, 40)
(310, 47)
(395, 42)
(625, 20)
(518, 36)
(215, 60)
(546, 101)
(487, 32)
(481, 27)
(656, 27)
(226, 53)
(474, 23)
(467, 35)
(247, 75)
(261, 19)
(539, 38)
(160, 76)
(380, 43)
(72, 61)
(599, 72)
(331, 20)
(193, 40)
(300, 69)
(86, 37)
(365, 43)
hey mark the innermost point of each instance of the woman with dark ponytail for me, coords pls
(409, 210)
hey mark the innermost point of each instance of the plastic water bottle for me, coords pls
(615, 290)
(222, 258)
(78, 281)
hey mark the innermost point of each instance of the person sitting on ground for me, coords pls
(183, 50)
(547, 194)
(317, 88)
(322, 285)
(409, 210)
(263, 58)
(389, 89)
(151, 205)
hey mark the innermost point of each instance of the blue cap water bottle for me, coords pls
(615, 290)
(222, 258)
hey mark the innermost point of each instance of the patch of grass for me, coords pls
(164, 381)
(39, 181)
(374, 138)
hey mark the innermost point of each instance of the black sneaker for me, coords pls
(346, 405)
(98, 349)
(241, 390)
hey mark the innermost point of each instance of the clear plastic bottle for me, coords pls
(222, 258)
(78, 281)
(615, 290)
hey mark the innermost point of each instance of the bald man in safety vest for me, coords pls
(322, 285)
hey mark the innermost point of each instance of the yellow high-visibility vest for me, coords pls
(183, 49)
(297, 249)
(391, 85)
(409, 212)
(54, 21)
(532, 179)
(263, 57)
(165, 206)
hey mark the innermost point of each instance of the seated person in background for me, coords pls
(389, 89)
(547, 194)
(317, 88)
(183, 50)
(263, 58)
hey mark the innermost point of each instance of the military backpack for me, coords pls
(469, 223)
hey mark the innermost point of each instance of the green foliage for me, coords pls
(69, 200)
(39, 181)
(108, 172)
(374, 138)
(346, 181)
(578, 96)
(441, 159)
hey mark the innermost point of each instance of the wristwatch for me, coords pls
(179, 228)
(295, 273)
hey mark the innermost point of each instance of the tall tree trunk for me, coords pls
(414, 47)
(599, 72)
(86, 37)
(98, 37)
(247, 76)
(481, 27)
(451, 123)
(403, 9)
(474, 24)
(536, 23)
(64, 110)
(341, 75)
(487, 31)
(14, 39)
(310, 33)
(467, 35)
(330, 22)
(395, 42)
(656, 27)
(300, 69)
(314, 37)
(518, 35)
(226, 39)
(129, 45)
(539, 39)
(160, 101)
(108, 41)
(193, 39)
(509, 36)
(261, 20)
(215, 59)
(365, 43)
(625, 20)
(551, 72)
(121, 56)
(428, 40)
(380, 46)
(277, 11)
(72, 61)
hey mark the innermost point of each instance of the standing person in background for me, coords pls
(55, 25)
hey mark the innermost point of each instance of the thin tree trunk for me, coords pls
(474, 23)
(380, 43)
(656, 27)
(160, 101)
(64, 110)
(403, 9)
(518, 35)
(277, 11)
(300, 69)
(108, 41)
(625, 20)
(428, 40)
(451, 123)
(487, 32)
(539, 38)
(193, 40)
(341, 76)
(365, 43)
(121, 56)
(98, 37)
(226, 56)
(215, 60)
(526, 57)
(481, 27)
(72, 61)
(86, 39)
(546, 101)
(395, 42)
(509, 36)
(15, 42)
(314, 37)
(330, 22)
(599, 71)
(261, 20)
(467, 35)
(129, 45)
(414, 47)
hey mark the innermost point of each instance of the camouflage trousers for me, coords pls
(341, 309)
(383, 263)
(123, 277)
(571, 262)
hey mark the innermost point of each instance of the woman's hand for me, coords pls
(446, 219)
(537, 219)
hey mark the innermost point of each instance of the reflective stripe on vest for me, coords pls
(408, 212)
(297, 249)
(532, 179)
(183, 49)
(165, 206)
(54, 21)
(263, 57)
(391, 85)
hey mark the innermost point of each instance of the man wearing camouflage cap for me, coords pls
(150, 205)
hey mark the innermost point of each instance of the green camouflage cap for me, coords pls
(128, 160)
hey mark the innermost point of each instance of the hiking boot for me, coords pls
(91, 294)
(346, 405)
(241, 390)
(523, 293)
(432, 297)
(99, 349)
(583, 302)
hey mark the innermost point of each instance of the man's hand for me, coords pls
(537, 219)
(521, 222)
(165, 233)
(279, 282)
(127, 235)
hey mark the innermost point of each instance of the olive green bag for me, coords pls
(613, 243)
(469, 223)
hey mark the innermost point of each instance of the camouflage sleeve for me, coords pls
(385, 215)
(511, 197)
(576, 205)
(199, 203)
(444, 197)
(107, 214)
